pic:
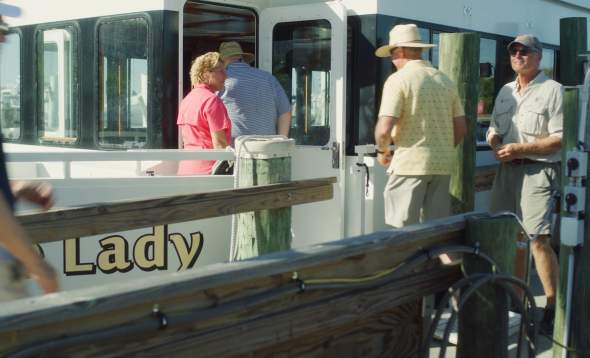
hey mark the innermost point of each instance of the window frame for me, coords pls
(21, 63)
(76, 98)
(328, 119)
(151, 120)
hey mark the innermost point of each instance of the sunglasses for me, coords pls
(523, 51)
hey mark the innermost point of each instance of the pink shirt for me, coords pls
(201, 112)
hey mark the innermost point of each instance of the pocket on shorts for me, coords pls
(543, 177)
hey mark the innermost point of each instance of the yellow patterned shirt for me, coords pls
(425, 101)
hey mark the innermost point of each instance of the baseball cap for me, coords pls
(529, 41)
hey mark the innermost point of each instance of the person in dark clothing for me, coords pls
(16, 250)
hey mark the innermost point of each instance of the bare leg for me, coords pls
(547, 266)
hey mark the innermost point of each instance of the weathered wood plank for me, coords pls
(377, 336)
(104, 218)
(238, 292)
(284, 323)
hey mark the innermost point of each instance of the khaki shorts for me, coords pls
(12, 286)
(415, 199)
(527, 190)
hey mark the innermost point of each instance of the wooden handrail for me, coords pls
(56, 225)
(248, 307)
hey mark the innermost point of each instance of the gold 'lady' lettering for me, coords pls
(157, 245)
(114, 255)
(187, 252)
(72, 265)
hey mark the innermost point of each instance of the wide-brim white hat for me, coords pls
(402, 36)
(9, 10)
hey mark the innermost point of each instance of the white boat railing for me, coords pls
(129, 155)
(66, 158)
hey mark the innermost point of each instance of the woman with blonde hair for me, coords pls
(202, 117)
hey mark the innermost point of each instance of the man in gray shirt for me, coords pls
(525, 134)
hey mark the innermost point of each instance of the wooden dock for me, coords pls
(320, 300)
(352, 297)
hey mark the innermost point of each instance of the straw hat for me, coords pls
(402, 36)
(232, 48)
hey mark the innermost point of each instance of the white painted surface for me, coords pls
(503, 17)
(316, 161)
(103, 180)
(36, 11)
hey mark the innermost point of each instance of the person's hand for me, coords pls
(39, 193)
(44, 275)
(507, 152)
(384, 158)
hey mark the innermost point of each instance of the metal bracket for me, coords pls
(335, 155)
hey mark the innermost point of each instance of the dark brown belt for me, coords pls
(524, 161)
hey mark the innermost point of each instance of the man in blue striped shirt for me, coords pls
(255, 101)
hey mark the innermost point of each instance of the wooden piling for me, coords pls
(459, 59)
(573, 41)
(263, 162)
(579, 337)
(483, 321)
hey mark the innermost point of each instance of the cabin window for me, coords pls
(57, 85)
(10, 87)
(435, 51)
(548, 62)
(123, 81)
(425, 36)
(301, 62)
(487, 90)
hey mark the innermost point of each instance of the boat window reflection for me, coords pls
(425, 36)
(548, 62)
(57, 94)
(10, 87)
(301, 63)
(123, 48)
(487, 89)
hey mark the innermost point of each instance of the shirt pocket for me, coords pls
(533, 122)
(503, 117)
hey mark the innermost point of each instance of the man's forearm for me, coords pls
(383, 133)
(547, 145)
(284, 124)
(459, 129)
(14, 239)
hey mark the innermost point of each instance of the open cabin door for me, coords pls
(304, 46)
